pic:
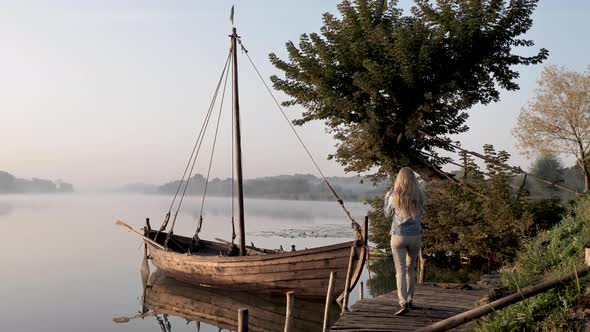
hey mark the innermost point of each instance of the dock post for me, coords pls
(587, 256)
(329, 301)
(361, 291)
(421, 267)
(242, 320)
(144, 271)
(347, 283)
(289, 313)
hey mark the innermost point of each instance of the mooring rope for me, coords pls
(354, 224)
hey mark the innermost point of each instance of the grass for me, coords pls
(550, 254)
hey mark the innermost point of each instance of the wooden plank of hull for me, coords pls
(219, 307)
(307, 272)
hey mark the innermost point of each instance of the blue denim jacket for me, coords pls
(407, 226)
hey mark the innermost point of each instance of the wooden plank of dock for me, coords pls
(433, 302)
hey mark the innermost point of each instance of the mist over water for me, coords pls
(66, 267)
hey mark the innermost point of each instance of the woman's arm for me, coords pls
(387, 208)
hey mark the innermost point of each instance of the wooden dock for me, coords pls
(433, 302)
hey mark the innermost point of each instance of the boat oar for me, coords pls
(129, 228)
(127, 319)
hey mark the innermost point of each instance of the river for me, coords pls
(66, 267)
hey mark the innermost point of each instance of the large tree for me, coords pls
(379, 77)
(557, 119)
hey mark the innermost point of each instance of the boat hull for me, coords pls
(307, 272)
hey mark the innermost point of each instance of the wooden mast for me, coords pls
(238, 141)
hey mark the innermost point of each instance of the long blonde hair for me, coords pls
(407, 198)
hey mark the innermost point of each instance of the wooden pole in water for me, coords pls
(289, 313)
(242, 320)
(587, 256)
(238, 141)
(361, 291)
(347, 283)
(422, 266)
(329, 301)
(145, 267)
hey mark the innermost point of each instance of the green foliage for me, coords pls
(550, 254)
(547, 167)
(378, 77)
(550, 168)
(379, 225)
(486, 217)
(546, 213)
(480, 218)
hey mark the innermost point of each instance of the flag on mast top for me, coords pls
(231, 16)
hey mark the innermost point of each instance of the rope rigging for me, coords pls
(192, 159)
(354, 224)
(184, 182)
(200, 223)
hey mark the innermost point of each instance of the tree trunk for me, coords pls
(583, 163)
(429, 172)
(586, 177)
(585, 172)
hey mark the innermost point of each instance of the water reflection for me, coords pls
(382, 273)
(165, 297)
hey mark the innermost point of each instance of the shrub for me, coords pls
(551, 253)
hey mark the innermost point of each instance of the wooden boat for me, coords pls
(307, 272)
(219, 264)
(219, 307)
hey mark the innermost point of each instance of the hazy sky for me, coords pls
(101, 93)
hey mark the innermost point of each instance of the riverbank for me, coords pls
(550, 254)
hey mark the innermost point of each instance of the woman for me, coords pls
(405, 203)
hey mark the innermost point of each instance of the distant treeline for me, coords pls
(9, 184)
(293, 187)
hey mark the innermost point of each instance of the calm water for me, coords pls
(66, 267)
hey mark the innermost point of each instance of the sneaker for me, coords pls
(410, 305)
(404, 310)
